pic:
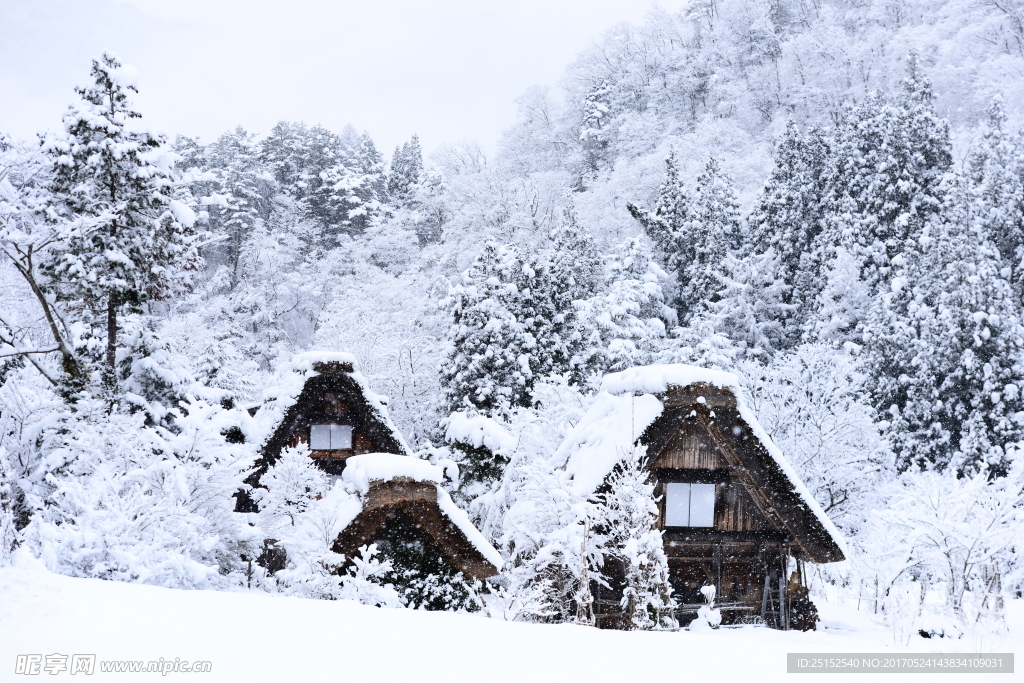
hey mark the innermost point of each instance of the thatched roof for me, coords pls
(647, 405)
(386, 484)
(299, 388)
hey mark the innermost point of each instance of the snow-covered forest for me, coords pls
(825, 197)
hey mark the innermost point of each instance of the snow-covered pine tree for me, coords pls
(887, 162)
(714, 233)
(283, 152)
(289, 487)
(136, 243)
(329, 178)
(996, 170)
(574, 255)
(787, 217)
(842, 304)
(565, 271)
(625, 323)
(406, 171)
(671, 225)
(242, 195)
(750, 309)
(624, 526)
(595, 127)
(944, 349)
(371, 194)
(544, 301)
(486, 367)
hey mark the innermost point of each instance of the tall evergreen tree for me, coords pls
(486, 367)
(996, 170)
(550, 285)
(134, 243)
(884, 176)
(625, 322)
(944, 347)
(670, 224)
(714, 232)
(406, 171)
(595, 126)
(246, 196)
(787, 218)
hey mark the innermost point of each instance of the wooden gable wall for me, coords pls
(690, 454)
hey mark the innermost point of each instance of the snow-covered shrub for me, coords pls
(530, 514)
(707, 616)
(289, 487)
(29, 406)
(135, 503)
(625, 515)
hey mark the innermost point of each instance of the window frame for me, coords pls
(334, 430)
(671, 504)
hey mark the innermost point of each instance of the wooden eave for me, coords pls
(419, 501)
(749, 461)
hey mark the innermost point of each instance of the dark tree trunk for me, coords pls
(111, 332)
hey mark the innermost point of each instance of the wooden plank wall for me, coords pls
(690, 448)
(735, 511)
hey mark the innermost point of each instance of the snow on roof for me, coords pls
(629, 403)
(477, 431)
(360, 470)
(608, 431)
(290, 379)
(655, 379)
(460, 519)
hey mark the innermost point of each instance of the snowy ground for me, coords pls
(255, 637)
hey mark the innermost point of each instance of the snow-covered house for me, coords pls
(733, 511)
(403, 494)
(321, 400)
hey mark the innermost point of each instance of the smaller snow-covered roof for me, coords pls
(369, 475)
(632, 401)
(360, 470)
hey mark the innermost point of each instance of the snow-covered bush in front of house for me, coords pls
(625, 515)
(128, 502)
(707, 616)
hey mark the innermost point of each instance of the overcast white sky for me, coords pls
(447, 70)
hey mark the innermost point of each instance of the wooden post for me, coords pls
(764, 596)
(718, 571)
(783, 584)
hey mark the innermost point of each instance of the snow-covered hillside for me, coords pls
(255, 637)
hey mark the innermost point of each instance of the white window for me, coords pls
(690, 505)
(702, 504)
(330, 437)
